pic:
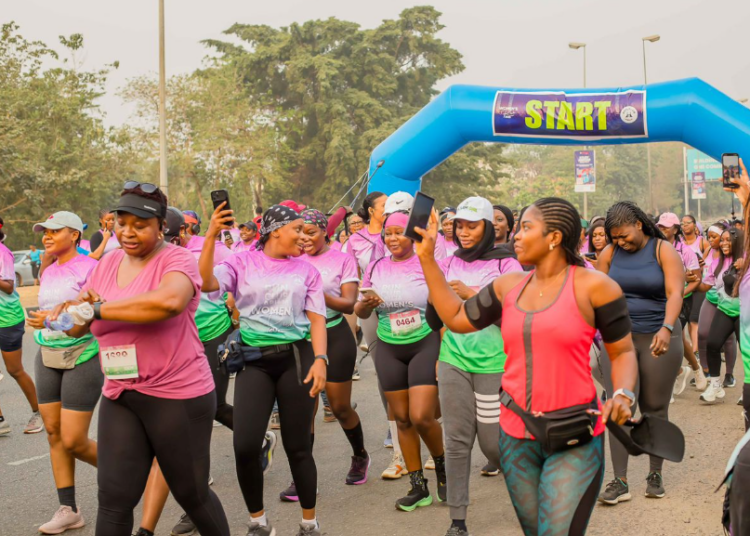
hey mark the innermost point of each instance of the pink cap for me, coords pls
(397, 219)
(293, 205)
(668, 219)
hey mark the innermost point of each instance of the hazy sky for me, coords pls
(512, 43)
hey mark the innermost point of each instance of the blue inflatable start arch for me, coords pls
(690, 111)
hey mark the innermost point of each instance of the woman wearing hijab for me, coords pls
(471, 365)
(503, 222)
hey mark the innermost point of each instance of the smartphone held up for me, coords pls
(218, 197)
(730, 167)
(419, 216)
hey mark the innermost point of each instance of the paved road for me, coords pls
(28, 498)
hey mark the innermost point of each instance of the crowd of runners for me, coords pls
(494, 317)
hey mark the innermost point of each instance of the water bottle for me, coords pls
(64, 322)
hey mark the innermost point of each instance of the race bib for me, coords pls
(119, 362)
(403, 324)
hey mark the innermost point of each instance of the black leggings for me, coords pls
(275, 377)
(135, 428)
(722, 327)
(224, 411)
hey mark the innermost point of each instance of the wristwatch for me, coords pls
(97, 310)
(670, 327)
(627, 394)
(323, 357)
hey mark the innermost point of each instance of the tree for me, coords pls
(53, 146)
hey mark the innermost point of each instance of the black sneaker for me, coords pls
(142, 532)
(490, 470)
(455, 531)
(358, 470)
(729, 380)
(418, 495)
(442, 483)
(184, 527)
(289, 494)
(654, 486)
(615, 492)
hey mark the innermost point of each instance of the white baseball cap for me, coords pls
(398, 201)
(60, 220)
(474, 209)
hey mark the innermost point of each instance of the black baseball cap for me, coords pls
(175, 221)
(249, 225)
(141, 206)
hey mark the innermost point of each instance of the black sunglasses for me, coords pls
(146, 187)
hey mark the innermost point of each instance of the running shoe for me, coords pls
(142, 532)
(275, 421)
(615, 492)
(490, 470)
(328, 415)
(184, 527)
(358, 470)
(671, 399)
(729, 381)
(364, 347)
(442, 484)
(388, 442)
(4, 428)
(269, 446)
(396, 470)
(355, 375)
(210, 480)
(681, 382)
(289, 494)
(308, 530)
(417, 496)
(256, 529)
(739, 403)
(429, 465)
(714, 392)
(35, 424)
(64, 519)
(699, 380)
(654, 486)
(455, 531)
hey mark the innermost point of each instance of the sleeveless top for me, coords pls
(642, 281)
(547, 367)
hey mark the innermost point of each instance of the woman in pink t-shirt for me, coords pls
(158, 388)
(282, 338)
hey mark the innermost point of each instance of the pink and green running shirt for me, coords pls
(11, 312)
(171, 361)
(404, 291)
(335, 269)
(212, 317)
(480, 352)
(272, 296)
(362, 244)
(58, 284)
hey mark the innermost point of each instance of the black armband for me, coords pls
(433, 319)
(484, 309)
(613, 320)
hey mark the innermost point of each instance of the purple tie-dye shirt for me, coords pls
(335, 269)
(272, 296)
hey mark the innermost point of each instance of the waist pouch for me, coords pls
(63, 358)
(234, 355)
(558, 430)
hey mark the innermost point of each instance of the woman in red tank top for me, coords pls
(549, 319)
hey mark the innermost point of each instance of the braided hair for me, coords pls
(628, 213)
(560, 215)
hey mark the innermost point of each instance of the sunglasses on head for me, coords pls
(146, 187)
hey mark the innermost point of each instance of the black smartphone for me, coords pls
(590, 256)
(730, 164)
(420, 215)
(218, 197)
(227, 235)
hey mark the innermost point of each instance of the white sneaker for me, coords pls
(714, 392)
(4, 428)
(429, 465)
(397, 469)
(35, 424)
(701, 382)
(64, 519)
(681, 382)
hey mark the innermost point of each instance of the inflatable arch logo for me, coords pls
(690, 111)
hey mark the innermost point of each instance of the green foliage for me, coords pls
(55, 154)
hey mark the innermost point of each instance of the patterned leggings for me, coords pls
(553, 495)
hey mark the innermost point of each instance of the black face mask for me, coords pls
(485, 249)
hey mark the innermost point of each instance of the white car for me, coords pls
(24, 275)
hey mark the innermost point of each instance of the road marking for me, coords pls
(27, 460)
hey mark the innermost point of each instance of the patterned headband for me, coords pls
(277, 217)
(315, 217)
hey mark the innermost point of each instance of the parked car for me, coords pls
(24, 276)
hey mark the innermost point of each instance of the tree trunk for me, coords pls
(206, 214)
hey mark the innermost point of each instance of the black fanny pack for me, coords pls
(234, 354)
(559, 430)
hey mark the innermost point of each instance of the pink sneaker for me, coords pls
(64, 519)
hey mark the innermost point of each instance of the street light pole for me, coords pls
(163, 180)
(576, 46)
(650, 39)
